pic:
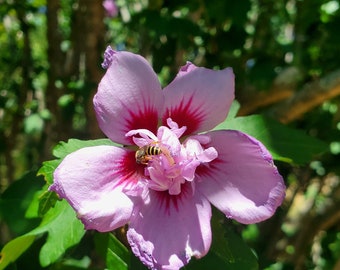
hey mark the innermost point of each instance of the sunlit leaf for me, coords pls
(284, 143)
(47, 170)
(64, 148)
(64, 230)
(117, 256)
(13, 249)
(234, 108)
(46, 198)
(33, 208)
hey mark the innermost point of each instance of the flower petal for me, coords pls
(91, 180)
(199, 98)
(242, 181)
(129, 97)
(165, 233)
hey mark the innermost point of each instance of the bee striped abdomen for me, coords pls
(144, 154)
(153, 151)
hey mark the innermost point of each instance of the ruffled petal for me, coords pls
(129, 97)
(92, 180)
(242, 181)
(168, 231)
(199, 98)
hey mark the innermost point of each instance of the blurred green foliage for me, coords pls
(285, 56)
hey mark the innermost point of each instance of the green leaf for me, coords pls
(74, 264)
(117, 256)
(46, 200)
(16, 199)
(230, 247)
(228, 250)
(47, 170)
(284, 143)
(13, 249)
(33, 208)
(64, 148)
(14, 203)
(64, 230)
(235, 106)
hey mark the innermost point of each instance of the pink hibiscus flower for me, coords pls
(163, 181)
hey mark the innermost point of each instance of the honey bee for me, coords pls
(147, 152)
(144, 154)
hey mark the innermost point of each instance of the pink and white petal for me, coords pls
(92, 180)
(186, 68)
(168, 231)
(129, 97)
(108, 212)
(242, 181)
(144, 137)
(199, 98)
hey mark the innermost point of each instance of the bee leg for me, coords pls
(166, 153)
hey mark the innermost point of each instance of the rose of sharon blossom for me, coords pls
(163, 181)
